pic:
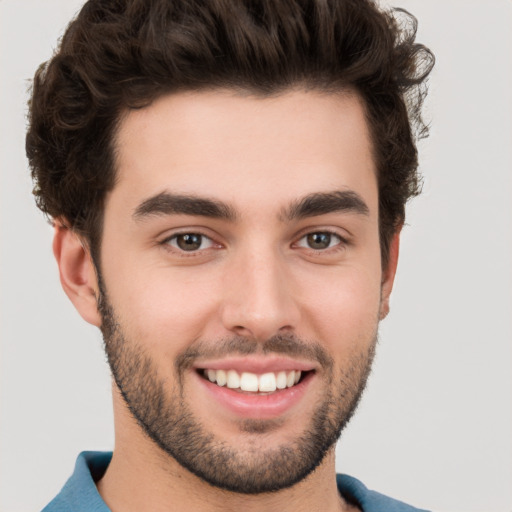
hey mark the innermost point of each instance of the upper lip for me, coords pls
(254, 364)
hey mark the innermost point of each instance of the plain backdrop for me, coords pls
(434, 428)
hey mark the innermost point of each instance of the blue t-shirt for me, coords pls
(79, 494)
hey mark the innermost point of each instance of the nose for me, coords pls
(259, 299)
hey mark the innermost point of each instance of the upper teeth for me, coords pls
(266, 382)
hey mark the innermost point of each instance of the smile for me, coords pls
(252, 382)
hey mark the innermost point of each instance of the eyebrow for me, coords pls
(321, 203)
(166, 203)
(318, 203)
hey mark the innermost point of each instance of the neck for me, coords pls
(158, 488)
(141, 477)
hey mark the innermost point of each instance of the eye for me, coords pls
(189, 242)
(319, 240)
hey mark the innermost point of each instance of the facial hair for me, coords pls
(168, 421)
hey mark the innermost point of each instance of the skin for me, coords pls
(254, 276)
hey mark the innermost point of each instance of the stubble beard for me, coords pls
(167, 420)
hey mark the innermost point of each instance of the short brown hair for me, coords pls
(122, 54)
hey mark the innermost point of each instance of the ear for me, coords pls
(77, 272)
(388, 274)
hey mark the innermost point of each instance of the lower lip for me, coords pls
(258, 406)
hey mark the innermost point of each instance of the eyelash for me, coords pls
(167, 242)
(340, 245)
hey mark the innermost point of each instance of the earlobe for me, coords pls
(388, 274)
(77, 272)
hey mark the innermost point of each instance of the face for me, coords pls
(241, 279)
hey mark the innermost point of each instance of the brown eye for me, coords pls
(319, 240)
(190, 242)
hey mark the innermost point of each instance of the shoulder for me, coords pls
(356, 492)
(79, 494)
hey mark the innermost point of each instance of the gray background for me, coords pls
(435, 427)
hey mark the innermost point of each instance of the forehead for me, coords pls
(244, 148)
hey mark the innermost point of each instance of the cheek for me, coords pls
(344, 310)
(165, 308)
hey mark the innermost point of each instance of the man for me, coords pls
(227, 182)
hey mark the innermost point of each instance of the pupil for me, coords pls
(189, 242)
(319, 240)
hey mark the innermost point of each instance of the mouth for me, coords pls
(254, 383)
(256, 387)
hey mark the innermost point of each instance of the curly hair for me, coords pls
(123, 54)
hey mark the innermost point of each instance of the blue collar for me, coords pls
(80, 493)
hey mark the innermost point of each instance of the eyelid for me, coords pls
(332, 234)
(165, 241)
(204, 239)
(342, 234)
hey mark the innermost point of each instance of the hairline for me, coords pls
(93, 236)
